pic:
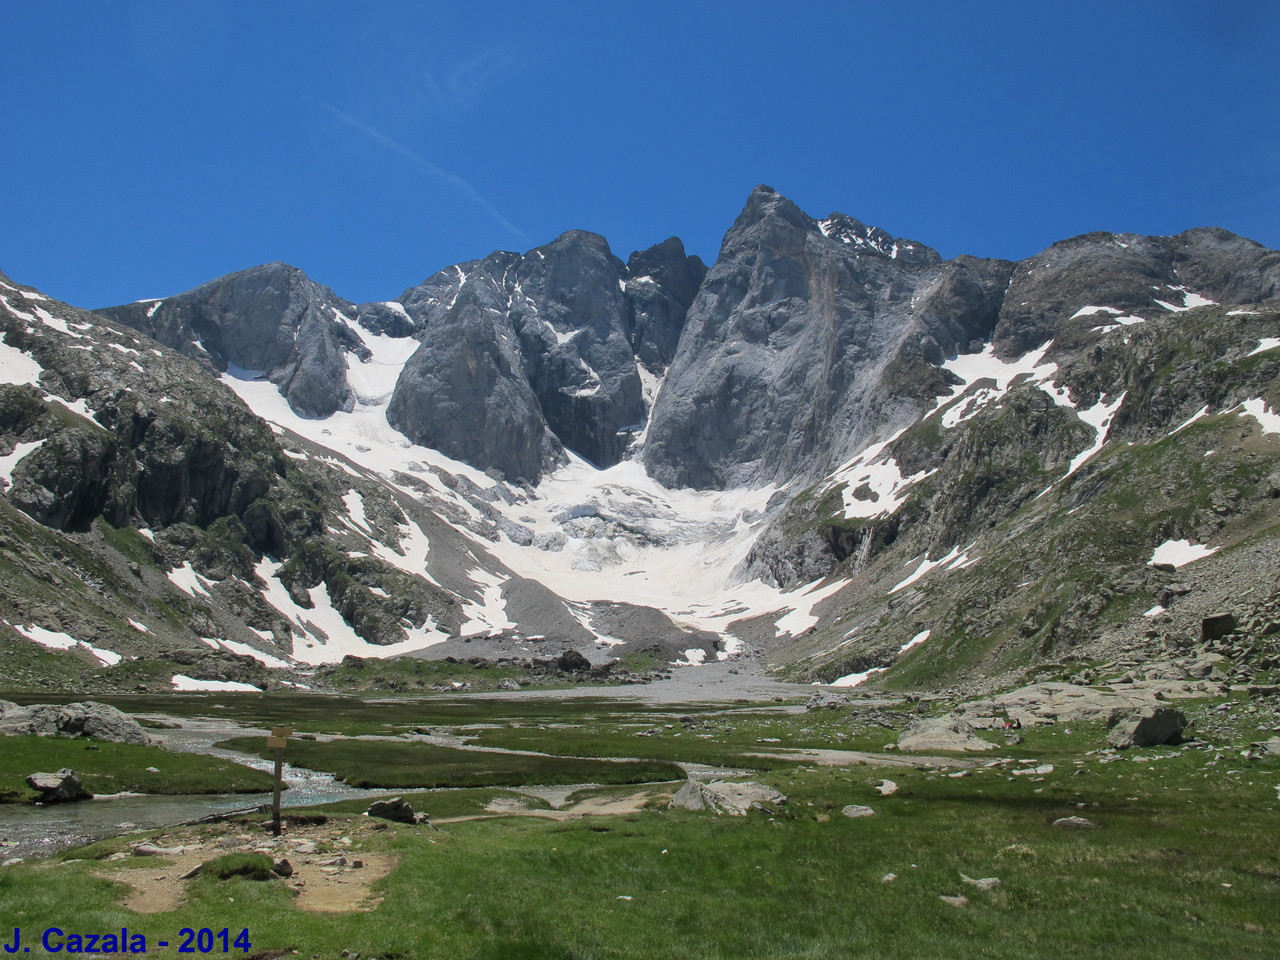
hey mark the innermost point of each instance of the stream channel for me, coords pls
(40, 831)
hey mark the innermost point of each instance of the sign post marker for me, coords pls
(276, 742)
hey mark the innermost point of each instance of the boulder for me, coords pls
(395, 809)
(571, 661)
(722, 796)
(88, 719)
(1217, 626)
(61, 787)
(855, 810)
(828, 701)
(1148, 727)
(943, 733)
(1074, 823)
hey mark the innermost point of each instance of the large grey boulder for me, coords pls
(61, 787)
(88, 719)
(396, 809)
(724, 796)
(1148, 727)
(943, 733)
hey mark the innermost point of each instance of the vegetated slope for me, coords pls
(833, 447)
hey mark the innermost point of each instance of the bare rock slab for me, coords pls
(723, 796)
(943, 733)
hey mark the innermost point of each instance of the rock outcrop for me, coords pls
(61, 787)
(95, 720)
(270, 321)
(725, 796)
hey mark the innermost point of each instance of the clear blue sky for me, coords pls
(153, 145)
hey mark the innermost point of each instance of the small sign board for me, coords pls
(277, 743)
(282, 731)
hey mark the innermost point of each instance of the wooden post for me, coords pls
(277, 741)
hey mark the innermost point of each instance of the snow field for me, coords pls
(1180, 553)
(62, 641)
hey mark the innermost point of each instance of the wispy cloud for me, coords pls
(465, 84)
(438, 173)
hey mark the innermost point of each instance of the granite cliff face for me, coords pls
(795, 349)
(526, 355)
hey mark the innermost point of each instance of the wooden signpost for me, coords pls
(278, 740)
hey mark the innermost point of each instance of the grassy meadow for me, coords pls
(1181, 862)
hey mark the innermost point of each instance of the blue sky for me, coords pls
(152, 146)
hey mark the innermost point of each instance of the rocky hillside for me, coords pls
(833, 449)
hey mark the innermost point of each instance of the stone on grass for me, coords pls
(983, 883)
(954, 901)
(61, 787)
(887, 788)
(1148, 727)
(823, 700)
(855, 810)
(282, 868)
(1074, 823)
(151, 850)
(724, 796)
(394, 809)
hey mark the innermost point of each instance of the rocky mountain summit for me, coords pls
(833, 451)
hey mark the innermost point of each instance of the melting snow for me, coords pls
(29, 294)
(1257, 409)
(18, 367)
(1186, 423)
(1266, 343)
(1180, 552)
(20, 450)
(918, 639)
(853, 679)
(187, 580)
(62, 641)
(245, 650)
(925, 566)
(355, 507)
(802, 601)
(1189, 301)
(1099, 417)
(321, 635)
(489, 615)
(191, 685)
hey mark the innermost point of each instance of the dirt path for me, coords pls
(331, 870)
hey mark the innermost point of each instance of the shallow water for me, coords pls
(39, 831)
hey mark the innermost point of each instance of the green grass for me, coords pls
(121, 767)
(382, 763)
(1159, 878)
(1178, 866)
(251, 866)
